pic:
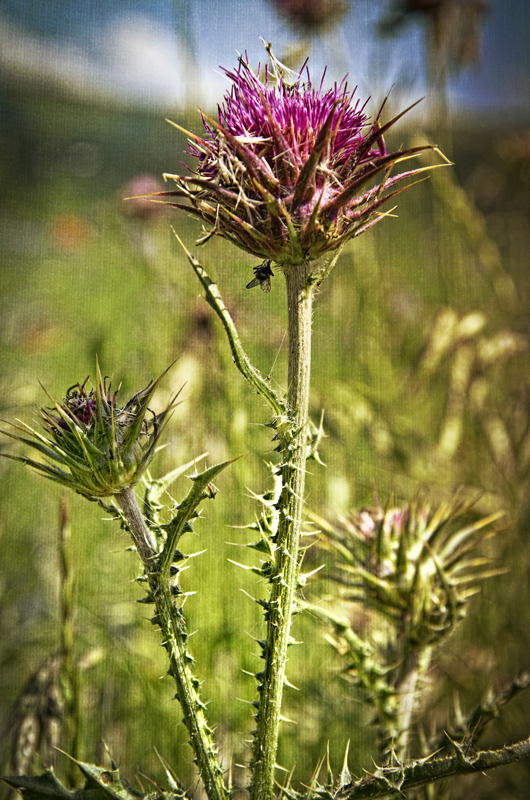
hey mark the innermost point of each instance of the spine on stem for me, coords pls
(281, 606)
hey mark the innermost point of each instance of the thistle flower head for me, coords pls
(91, 443)
(413, 565)
(289, 171)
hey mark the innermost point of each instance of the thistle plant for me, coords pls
(93, 445)
(288, 173)
(413, 570)
(102, 450)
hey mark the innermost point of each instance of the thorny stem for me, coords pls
(282, 602)
(291, 424)
(173, 627)
(396, 780)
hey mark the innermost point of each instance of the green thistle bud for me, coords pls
(414, 566)
(92, 444)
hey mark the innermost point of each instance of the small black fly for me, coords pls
(262, 276)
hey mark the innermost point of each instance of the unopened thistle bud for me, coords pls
(415, 566)
(92, 444)
(290, 171)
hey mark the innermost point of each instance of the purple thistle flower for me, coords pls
(80, 406)
(290, 171)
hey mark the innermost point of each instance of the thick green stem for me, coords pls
(143, 538)
(290, 421)
(293, 438)
(408, 689)
(173, 627)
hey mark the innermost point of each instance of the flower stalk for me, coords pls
(293, 446)
(143, 537)
(68, 667)
(290, 420)
(408, 688)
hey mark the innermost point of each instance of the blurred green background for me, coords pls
(421, 356)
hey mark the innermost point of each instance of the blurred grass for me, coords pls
(81, 279)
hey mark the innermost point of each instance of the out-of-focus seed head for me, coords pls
(289, 171)
(139, 207)
(94, 445)
(455, 35)
(415, 566)
(312, 16)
